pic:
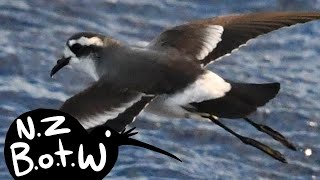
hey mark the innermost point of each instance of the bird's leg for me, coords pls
(274, 134)
(246, 140)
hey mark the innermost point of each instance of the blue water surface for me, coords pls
(33, 34)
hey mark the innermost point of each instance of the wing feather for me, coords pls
(102, 103)
(224, 33)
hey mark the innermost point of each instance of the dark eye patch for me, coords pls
(76, 49)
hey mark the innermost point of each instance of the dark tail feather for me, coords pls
(255, 94)
(240, 101)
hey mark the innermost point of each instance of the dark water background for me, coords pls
(33, 33)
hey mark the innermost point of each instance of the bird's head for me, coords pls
(82, 52)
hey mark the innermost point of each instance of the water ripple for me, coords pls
(32, 36)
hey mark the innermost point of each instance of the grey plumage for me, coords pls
(146, 71)
(168, 76)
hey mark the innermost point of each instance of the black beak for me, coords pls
(60, 64)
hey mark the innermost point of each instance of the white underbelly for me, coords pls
(161, 107)
(208, 86)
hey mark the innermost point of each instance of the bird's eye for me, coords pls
(108, 133)
(76, 48)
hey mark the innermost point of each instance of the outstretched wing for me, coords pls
(104, 104)
(209, 39)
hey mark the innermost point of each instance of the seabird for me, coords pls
(169, 78)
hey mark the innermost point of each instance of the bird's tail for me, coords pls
(240, 101)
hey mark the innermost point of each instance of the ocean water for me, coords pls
(34, 32)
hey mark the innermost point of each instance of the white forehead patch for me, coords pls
(84, 41)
